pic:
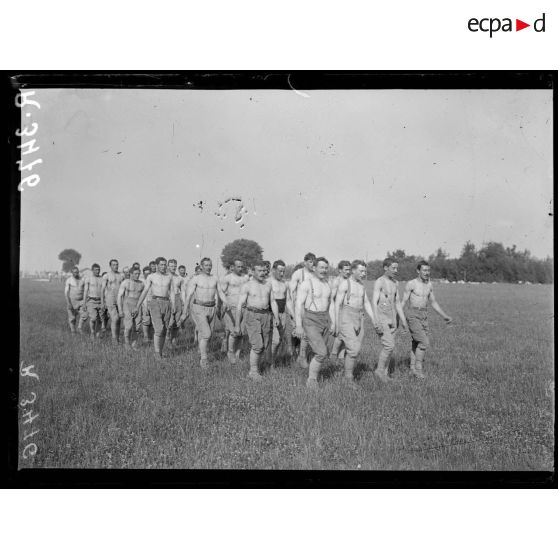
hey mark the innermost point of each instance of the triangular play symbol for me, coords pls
(519, 25)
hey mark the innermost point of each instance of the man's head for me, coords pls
(135, 273)
(391, 268)
(182, 270)
(423, 270)
(206, 265)
(96, 269)
(172, 265)
(136, 265)
(358, 269)
(75, 271)
(267, 265)
(279, 269)
(260, 271)
(126, 272)
(321, 267)
(153, 266)
(146, 271)
(344, 269)
(309, 261)
(113, 264)
(238, 267)
(161, 264)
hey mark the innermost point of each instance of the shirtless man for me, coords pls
(161, 305)
(298, 277)
(315, 317)
(257, 295)
(203, 289)
(109, 294)
(285, 309)
(418, 292)
(343, 273)
(128, 295)
(229, 291)
(92, 288)
(145, 315)
(73, 291)
(351, 302)
(177, 286)
(387, 308)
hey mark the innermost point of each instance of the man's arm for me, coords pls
(242, 298)
(222, 289)
(293, 283)
(189, 293)
(104, 282)
(67, 292)
(274, 307)
(376, 298)
(407, 293)
(85, 290)
(368, 309)
(437, 307)
(144, 293)
(289, 303)
(399, 310)
(302, 294)
(339, 298)
(120, 296)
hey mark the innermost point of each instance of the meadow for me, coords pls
(487, 402)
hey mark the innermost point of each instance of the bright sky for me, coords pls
(344, 174)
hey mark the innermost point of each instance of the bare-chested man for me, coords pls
(161, 305)
(73, 291)
(298, 277)
(109, 294)
(229, 291)
(145, 315)
(343, 273)
(92, 288)
(128, 294)
(351, 302)
(315, 317)
(177, 286)
(281, 329)
(387, 309)
(418, 292)
(203, 289)
(261, 309)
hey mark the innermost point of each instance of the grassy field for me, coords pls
(487, 402)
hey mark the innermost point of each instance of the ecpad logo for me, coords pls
(493, 25)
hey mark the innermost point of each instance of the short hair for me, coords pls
(146, 268)
(172, 260)
(75, 267)
(134, 269)
(388, 261)
(136, 265)
(259, 264)
(113, 260)
(356, 263)
(237, 260)
(182, 267)
(310, 256)
(95, 266)
(321, 259)
(159, 260)
(342, 264)
(204, 260)
(277, 263)
(125, 269)
(421, 263)
(151, 262)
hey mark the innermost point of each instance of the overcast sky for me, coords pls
(345, 174)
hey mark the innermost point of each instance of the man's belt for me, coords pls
(93, 298)
(209, 304)
(159, 297)
(258, 310)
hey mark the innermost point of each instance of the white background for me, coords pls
(290, 34)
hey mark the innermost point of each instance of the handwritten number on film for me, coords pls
(27, 147)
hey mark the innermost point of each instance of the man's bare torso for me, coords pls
(95, 286)
(233, 285)
(319, 294)
(161, 285)
(259, 294)
(420, 293)
(205, 287)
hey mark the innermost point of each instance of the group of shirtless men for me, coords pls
(310, 310)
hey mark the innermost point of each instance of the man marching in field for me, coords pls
(350, 304)
(161, 305)
(343, 273)
(204, 287)
(261, 309)
(315, 317)
(418, 292)
(387, 308)
(73, 291)
(177, 286)
(109, 294)
(298, 277)
(145, 315)
(229, 291)
(285, 309)
(92, 288)
(128, 295)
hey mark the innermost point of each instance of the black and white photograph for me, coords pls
(285, 272)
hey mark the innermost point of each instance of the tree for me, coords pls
(248, 251)
(69, 258)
